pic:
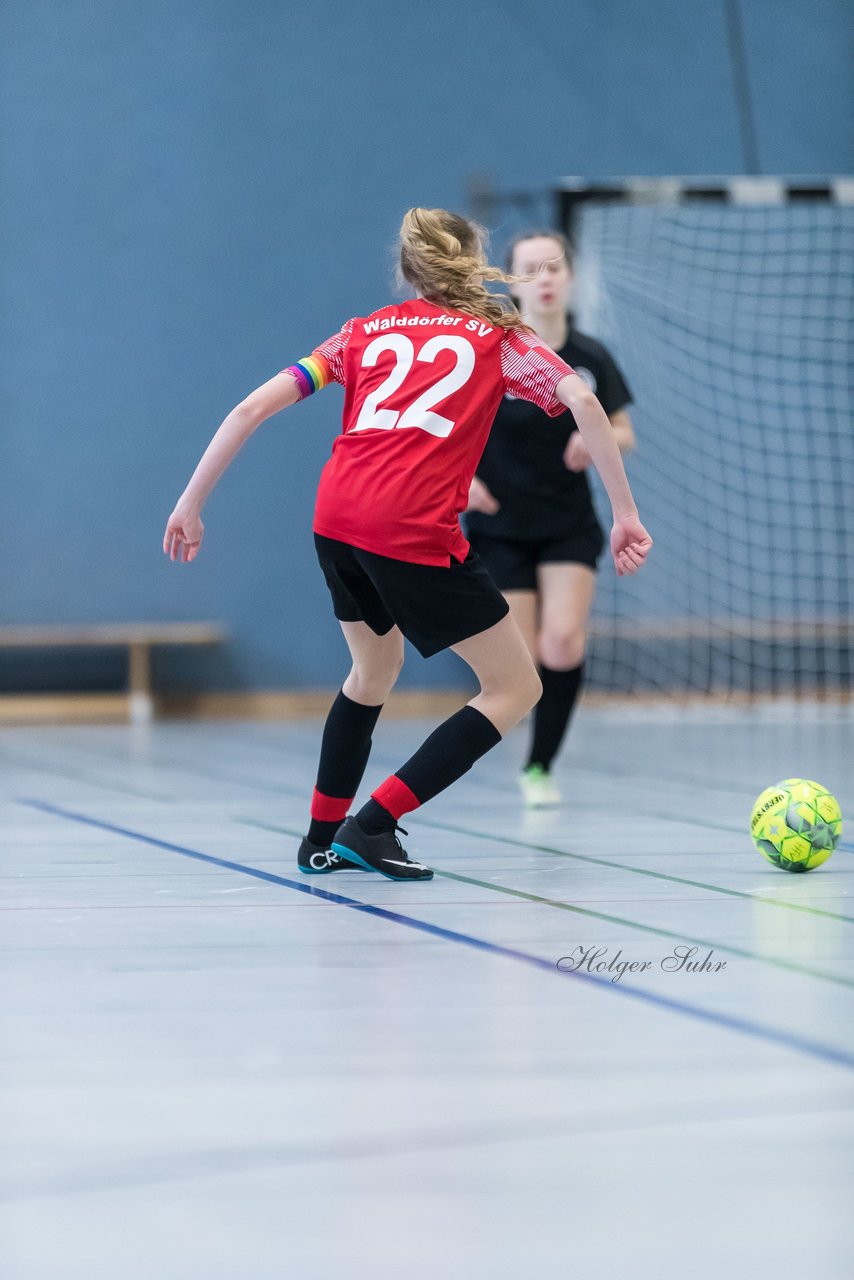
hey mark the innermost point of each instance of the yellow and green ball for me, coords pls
(796, 824)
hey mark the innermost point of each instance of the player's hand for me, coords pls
(480, 499)
(630, 544)
(576, 455)
(183, 537)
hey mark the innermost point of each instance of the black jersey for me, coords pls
(522, 465)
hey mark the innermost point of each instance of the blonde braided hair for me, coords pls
(443, 256)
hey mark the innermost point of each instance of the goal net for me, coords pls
(729, 308)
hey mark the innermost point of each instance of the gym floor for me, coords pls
(215, 1067)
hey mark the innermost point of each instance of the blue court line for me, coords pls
(815, 1048)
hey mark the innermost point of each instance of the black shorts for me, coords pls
(513, 564)
(433, 606)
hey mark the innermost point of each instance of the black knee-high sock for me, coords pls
(446, 755)
(552, 713)
(344, 752)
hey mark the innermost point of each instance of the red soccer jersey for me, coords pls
(422, 385)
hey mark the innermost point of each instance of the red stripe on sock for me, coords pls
(395, 796)
(329, 808)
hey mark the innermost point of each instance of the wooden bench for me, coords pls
(792, 631)
(138, 638)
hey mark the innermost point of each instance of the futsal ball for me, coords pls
(796, 824)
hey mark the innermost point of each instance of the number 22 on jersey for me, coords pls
(420, 412)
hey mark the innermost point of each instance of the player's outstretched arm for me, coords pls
(630, 542)
(576, 455)
(624, 432)
(184, 529)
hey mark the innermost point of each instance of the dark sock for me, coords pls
(344, 751)
(552, 713)
(374, 819)
(446, 755)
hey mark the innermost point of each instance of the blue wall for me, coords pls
(196, 194)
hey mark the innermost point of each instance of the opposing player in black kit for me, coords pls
(531, 516)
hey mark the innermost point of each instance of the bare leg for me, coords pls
(509, 684)
(377, 661)
(524, 607)
(566, 594)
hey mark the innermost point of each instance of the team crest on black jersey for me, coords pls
(587, 376)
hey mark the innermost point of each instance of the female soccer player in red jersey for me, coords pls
(422, 381)
(531, 517)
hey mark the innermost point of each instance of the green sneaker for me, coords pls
(538, 788)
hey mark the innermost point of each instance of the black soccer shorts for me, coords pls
(434, 606)
(513, 563)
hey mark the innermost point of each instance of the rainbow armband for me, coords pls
(310, 374)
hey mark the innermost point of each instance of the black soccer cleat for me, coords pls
(383, 852)
(317, 860)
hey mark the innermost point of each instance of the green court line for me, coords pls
(498, 839)
(638, 871)
(77, 775)
(487, 783)
(601, 915)
(669, 816)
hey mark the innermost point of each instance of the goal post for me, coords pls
(728, 304)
